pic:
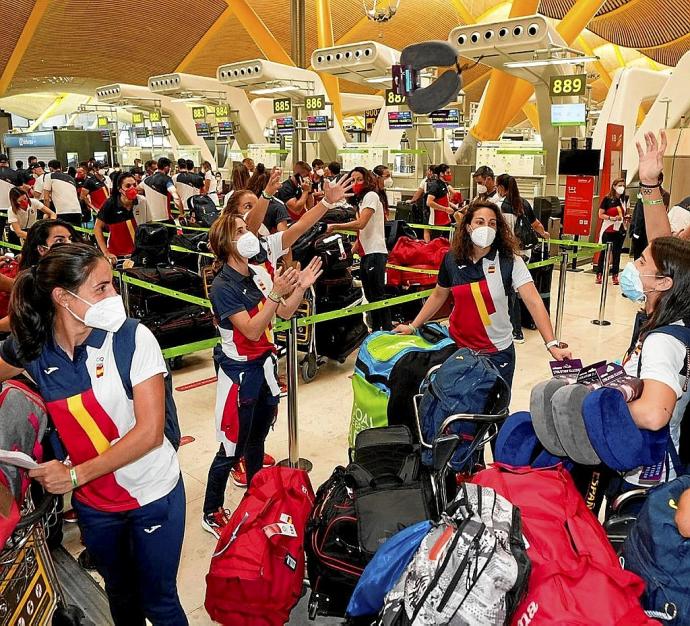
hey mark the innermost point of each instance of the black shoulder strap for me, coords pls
(506, 264)
(682, 334)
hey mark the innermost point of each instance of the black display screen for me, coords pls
(579, 163)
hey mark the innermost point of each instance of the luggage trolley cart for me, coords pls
(30, 592)
(446, 443)
(306, 339)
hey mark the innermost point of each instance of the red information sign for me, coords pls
(577, 212)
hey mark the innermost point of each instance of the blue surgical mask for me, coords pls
(631, 283)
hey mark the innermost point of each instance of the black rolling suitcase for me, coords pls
(542, 281)
(172, 321)
(338, 338)
(381, 492)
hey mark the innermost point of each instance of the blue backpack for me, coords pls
(385, 569)
(466, 383)
(658, 553)
(125, 336)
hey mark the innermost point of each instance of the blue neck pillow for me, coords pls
(517, 444)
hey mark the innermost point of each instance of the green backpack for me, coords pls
(388, 372)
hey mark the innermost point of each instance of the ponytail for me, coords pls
(32, 311)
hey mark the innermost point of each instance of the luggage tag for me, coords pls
(566, 369)
(651, 475)
(614, 376)
(280, 528)
(588, 375)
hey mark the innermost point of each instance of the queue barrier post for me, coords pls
(293, 459)
(560, 301)
(600, 321)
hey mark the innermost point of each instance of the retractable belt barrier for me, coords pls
(331, 315)
(318, 317)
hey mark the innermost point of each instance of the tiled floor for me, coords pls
(324, 413)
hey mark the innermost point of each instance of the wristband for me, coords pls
(652, 202)
(275, 297)
(73, 477)
(554, 343)
(265, 195)
(328, 205)
(413, 327)
(650, 186)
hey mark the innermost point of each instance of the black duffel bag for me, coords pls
(182, 324)
(152, 244)
(339, 215)
(335, 252)
(203, 209)
(395, 229)
(144, 302)
(194, 242)
(381, 492)
(303, 248)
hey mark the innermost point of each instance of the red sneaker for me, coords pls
(615, 279)
(215, 522)
(599, 279)
(69, 516)
(269, 461)
(239, 474)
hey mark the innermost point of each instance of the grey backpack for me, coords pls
(471, 569)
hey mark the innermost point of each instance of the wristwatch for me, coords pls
(554, 343)
(265, 195)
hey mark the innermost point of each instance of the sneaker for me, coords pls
(282, 384)
(615, 279)
(518, 337)
(215, 522)
(599, 279)
(69, 516)
(269, 461)
(239, 474)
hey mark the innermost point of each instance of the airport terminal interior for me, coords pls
(363, 312)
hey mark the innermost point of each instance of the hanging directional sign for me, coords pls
(282, 105)
(102, 122)
(222, 111)
(199, 113)
(137, 118)
(155, 117)
(315, 103)
(394, 99)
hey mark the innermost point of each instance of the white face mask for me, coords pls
(107, 314)
(319, 173)
(620, 190)
(483, 236)
(481, 188)
(387, 183)
(248, 245)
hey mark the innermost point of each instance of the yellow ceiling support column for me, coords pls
(47, 113)
(505, 94)
(619, 55)
(263, 38)
(22, 44)
(324, 37)
(216, 27)
(530, 110)
(598, 65)
(508, 97)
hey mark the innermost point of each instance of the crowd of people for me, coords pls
(102, 375)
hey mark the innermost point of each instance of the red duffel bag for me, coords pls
(257, 570)
(416, 254)
(576, 577)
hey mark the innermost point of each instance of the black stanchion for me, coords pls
(560, 302)
(604, 287)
